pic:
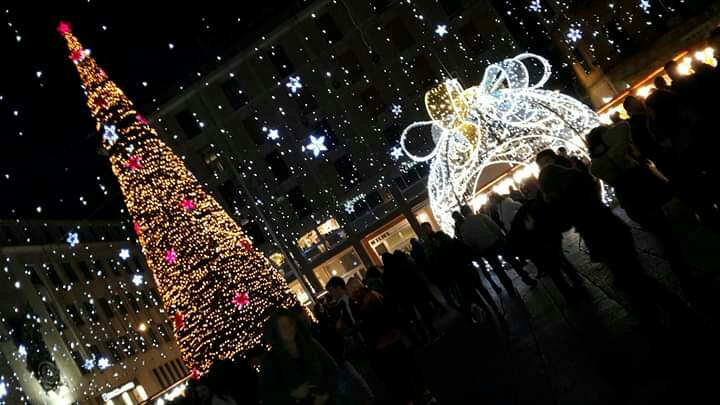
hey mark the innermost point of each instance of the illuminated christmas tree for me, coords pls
(218, 289)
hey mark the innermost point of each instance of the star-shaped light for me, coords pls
(89, 364)
(170, 256)
(103, 363)
(110, 134)
(3, 389)
(22, 351)
(273, 134)
(133, 163)
(72, 239)
(349, 207)
(294, 84)
(137, 279)
(316, 145)
(396, 110)
(140, 119)
(195, 374)
(136, 228)
(241, 299)
(574, 34)
(645, 5)
(188, 204)
(441, 30)
(130, 148)
(63, 27)
(535, 6)
(124, 254)
(77, 55)
(396, 152)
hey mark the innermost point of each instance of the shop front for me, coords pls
(344, 264)
(395, 235)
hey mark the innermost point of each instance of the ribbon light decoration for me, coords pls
(504, 119)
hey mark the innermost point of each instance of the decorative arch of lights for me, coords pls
(504, 119)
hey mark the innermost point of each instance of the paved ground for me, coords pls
(591, 352)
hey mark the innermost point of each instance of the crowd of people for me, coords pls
(659, 161)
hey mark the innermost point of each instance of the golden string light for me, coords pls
(212, 260)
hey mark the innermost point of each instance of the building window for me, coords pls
(618, 37)
(329, 29)
(234, 93)
(350, 64)
(113, 349)
(113, 266)
(580, 59)
(347, 172)
(380, 5)
(106, 308)
(451, 7)
(54, 317)
(323, 128)
(423, 72)
(153, 336)
(252, 128)
(120, 305)
(392, 135)
(188, 123)
(372, 101)
(144, 299)
(74, 314)
(282, 63)
(34, 278)
(471, 39)
(133, 302)
(212, 161)
(230, 193)
(164, 332)
(79, 362)
(299, 203)
(69, 272)
(306, 102)
(85, 270)
(126, 346)
(156, 296)
(90, 312)
(53, 275)
(278, 166)
(399, 34)
(345, 265)
(252, 229)
(140, 340)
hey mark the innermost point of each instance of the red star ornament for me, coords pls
(140, 119)
(134, 163)
(63, 27)
(188, 204)
(246, 245)
(195, 374)
(241, 299)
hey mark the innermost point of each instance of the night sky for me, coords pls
(48, 151)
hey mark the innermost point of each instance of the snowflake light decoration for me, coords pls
(396, 110)
(137, 279)
(441, 30)
(110, 135)
(645, 6)
(396, 152)
(316, 145)
(103, 363)
(535, 6)
(89, 364)
(574, 34)
(294, 84)
(273, 134)
(124, 254)
(505, 119)
(72, 239)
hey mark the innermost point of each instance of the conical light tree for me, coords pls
(216, 286)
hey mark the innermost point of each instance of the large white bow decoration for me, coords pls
(504, 119)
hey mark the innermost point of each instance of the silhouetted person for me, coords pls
(485, 237)
(373, 279)
(296, 369)
(234, 382)
(660, 83)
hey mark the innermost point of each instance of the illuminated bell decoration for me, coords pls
(199, 259)
(504, 119)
